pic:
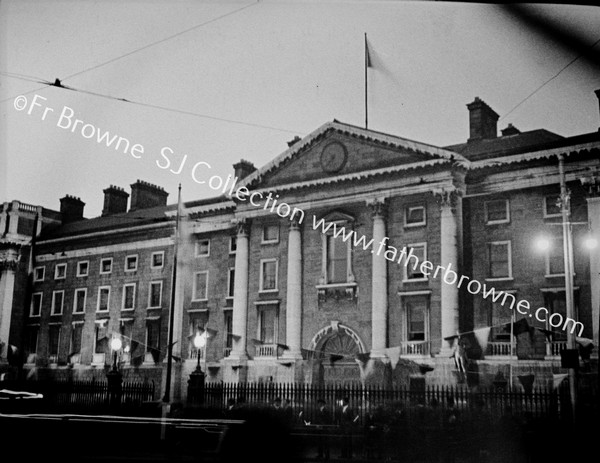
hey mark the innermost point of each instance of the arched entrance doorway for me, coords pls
(336, 346)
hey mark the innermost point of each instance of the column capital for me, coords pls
(447, 197)
(294, 225)
(242, 227)
(378, 207)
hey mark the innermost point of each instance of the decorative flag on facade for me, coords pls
(363, 357)
(482, 335)
(527, 382)
(393, 354)
(557, 379)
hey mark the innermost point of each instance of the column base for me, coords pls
(292, 355)
(378, 354)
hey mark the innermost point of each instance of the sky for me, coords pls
(223, 81)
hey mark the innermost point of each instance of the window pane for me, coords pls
(415, 215)
(103, 304)
(553, 205)
(79, 301)
(498, 316)
(269, 275)
(231, 282)
(270, 232)
(416, 319)
(101, 338)
(152, 332)
(499, 260)
(203, 247)
(411, 271)
(53, 339)
(267, 325)
(200, 286)
(131, 263)
(157, 259)
(496, 210)
(128, 302)
(337, 260)
(228, 324)
(36, 305)
(57, 302)
(556, 262)
(76, 338)
(155, 294)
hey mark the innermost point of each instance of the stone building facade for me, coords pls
(280, 297)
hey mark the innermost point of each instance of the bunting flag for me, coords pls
(586, 346)
(368, 59)
(363, 357)
(519, 327)
(557, 379)
(482, 335)
(393, 354)
(425, 369)
(235, 337)
(283, 346)
(210, 332)
(335, 357)
(257, 342)
(547, 333)
(584, 342)
(527, 382)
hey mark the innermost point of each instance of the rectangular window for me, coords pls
(105, 265)
(232, 244)
(79, 300)
(76, 332)
(499, 315)
(231, 282)
(101, 338)
(497, 211)
(58, 298)
(60, 271)
(203, 248)
(197, 323)
(270, 233)
(152, 338)
(103, 299)
(268, 275)
(39, 273)
(417, 254)
(267, 324)
(337, 260)
(131, 263)
(155, 295)
(31, 340)
(414, 216)
(53, 342)
(555, 260)
(500, 260)
(416, 318)
(552, 206)
(158, 259)
(83, 268)
(200, 289)
(36, 305)
(128, 297)
(228, 327)
(126, 332)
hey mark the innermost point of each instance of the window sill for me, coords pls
(127, 309)
(337, 285)
(556, 275)
(154, 308)
(415, 280)
(499, 279)
(415, 225)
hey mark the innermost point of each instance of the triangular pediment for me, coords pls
(338, 151)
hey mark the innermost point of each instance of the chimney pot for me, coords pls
(71, 209)
(145, 195)
(483, 120)
(243, 168)
(115, 200)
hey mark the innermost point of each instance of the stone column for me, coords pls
(594, 221)
(240, 294)
(379, 307)
(8, 268)
(293, 319)
(13, 217)
(449, 259)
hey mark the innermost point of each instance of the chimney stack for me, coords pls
(115, 200)
(71, 209)
(243, 168)
(482, 121)
(145, 195)
(510, 130)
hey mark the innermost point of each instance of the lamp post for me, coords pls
(114, 376)
(196, 381)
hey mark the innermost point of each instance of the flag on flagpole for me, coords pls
(368, 60)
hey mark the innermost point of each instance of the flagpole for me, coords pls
(512, 349)
(366, 83)
(167, 395)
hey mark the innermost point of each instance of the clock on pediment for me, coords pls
(333, 157)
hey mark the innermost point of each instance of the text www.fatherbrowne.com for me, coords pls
(406, 257)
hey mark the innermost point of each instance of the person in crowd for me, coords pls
(322, 420)
(348, 419)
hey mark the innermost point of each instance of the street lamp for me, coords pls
(199, 343)
(115, 345)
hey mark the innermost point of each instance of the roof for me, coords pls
(508, 144)
(386, 140)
